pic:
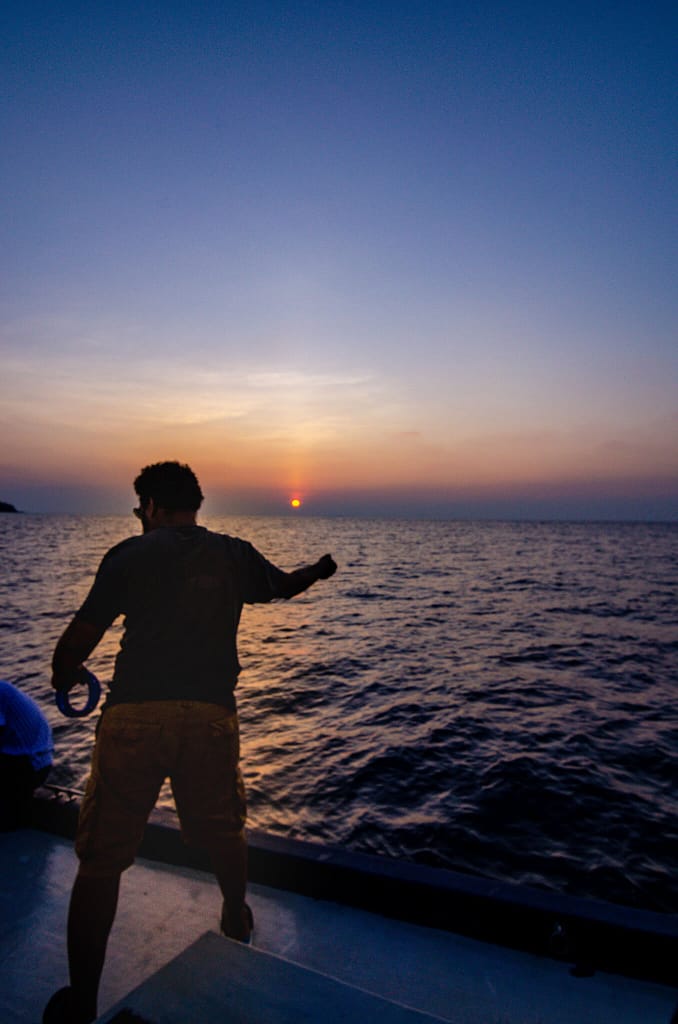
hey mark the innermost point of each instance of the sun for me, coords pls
(295, 502)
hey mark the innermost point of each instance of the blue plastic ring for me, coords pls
(63, 702)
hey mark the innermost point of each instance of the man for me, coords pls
(26, 750)
(171, 710)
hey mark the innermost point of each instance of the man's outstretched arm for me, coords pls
(73, 648)
(301, 579)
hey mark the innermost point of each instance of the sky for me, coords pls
(385, 258)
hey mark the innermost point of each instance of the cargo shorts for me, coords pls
(194, 744)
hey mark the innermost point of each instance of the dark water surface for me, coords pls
(499, 698)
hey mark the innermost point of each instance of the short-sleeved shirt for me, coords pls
(181, 590)
(24, 730)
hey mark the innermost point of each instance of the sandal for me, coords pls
(243, 931)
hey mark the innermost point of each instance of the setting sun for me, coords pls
(295, 503)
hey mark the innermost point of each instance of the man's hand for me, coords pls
(326, 567)
(67, 680)
(74, 647)
(299, 580)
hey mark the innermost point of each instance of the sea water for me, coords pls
(498, 698)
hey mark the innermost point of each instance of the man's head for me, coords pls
(169, 487)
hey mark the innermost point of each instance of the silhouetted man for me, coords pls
(171, 710)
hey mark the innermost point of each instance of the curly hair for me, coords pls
(172, 486)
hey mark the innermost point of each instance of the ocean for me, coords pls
(496, 698)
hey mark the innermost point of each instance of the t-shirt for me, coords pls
(181, 590)
(24, 730)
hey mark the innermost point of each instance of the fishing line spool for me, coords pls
(63, 701)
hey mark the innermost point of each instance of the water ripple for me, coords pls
(496, 698)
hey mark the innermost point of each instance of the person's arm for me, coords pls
(296, 582)
(73, 648)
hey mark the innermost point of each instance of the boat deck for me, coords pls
(165, 911)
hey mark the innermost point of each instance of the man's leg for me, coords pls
(127, 773)
(90, 918)
(230, 866)
(17, 782)
(210, 797)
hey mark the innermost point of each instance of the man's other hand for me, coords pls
(326, 567)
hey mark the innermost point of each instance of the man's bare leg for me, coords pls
(230, 867)
(90, 917)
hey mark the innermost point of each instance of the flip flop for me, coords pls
(61, 1009)
(247, 921)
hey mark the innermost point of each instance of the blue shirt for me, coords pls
(24, 730)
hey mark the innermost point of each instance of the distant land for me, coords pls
(6, 507)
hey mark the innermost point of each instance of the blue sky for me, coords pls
(407, 256)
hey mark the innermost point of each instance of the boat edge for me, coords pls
(587, 934)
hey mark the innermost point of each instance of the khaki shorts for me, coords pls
(138, 746)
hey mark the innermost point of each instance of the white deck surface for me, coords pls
(164, 910)
(217, 980)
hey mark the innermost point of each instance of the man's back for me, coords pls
(181, 590)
